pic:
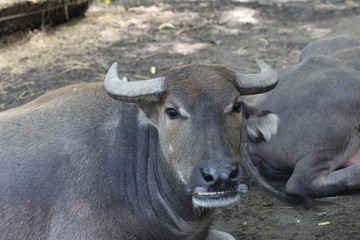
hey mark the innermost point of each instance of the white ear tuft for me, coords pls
(261, 127)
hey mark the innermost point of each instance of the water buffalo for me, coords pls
(150, 162)
(317, 146)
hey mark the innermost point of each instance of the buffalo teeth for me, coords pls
(209, 193)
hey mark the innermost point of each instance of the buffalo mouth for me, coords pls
(217, 198)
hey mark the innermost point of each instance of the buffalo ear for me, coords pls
(260, 125)
(148, 113)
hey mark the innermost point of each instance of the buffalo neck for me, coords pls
(144, 180)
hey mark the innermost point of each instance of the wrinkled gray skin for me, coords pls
(317, 146)
(78, 164)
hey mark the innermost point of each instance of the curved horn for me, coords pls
(137, 91)
(261, 82)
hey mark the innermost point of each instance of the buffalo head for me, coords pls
(199, 114)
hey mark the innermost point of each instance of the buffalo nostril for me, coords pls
(207, 177)
(234, 173)
(215, 174)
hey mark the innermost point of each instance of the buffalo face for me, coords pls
(199, 114)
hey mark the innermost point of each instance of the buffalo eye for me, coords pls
(172, 113)
(237, 107)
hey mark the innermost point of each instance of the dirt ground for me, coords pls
(158, 37)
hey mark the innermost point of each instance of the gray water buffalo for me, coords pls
(151, 162)
(317, 146)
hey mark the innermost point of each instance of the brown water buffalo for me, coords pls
(317, 146)
(151, 162)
